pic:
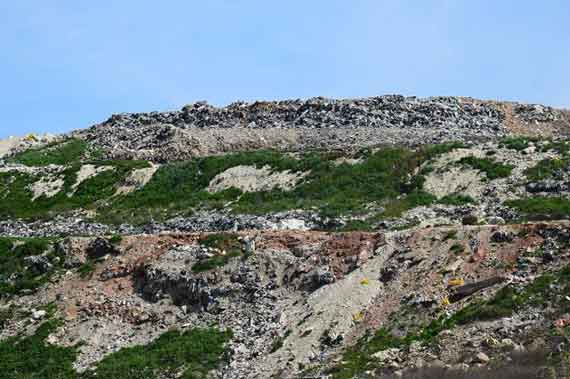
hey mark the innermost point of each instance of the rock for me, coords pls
(40, 264)
(387, 355)
(546, 186)
(38, 315)
(99, 248)
(470, 220)
(482, 358)
(530, 150)
(501, 236)
(496, 220)
(507, 343)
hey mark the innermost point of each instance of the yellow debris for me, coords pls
(31, 138)
(445, 302)
(365, 282)
(456, 282)
(357, 317)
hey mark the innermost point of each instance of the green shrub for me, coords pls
(517, 143)
(16, 274)
(542, 207)
(116, 239)
(17, 200)
(547, 169)
(62, 153)
(33, 358)
(388, 177)
(457, 248)
(456, 199)
(187, 355)
(86, 270)
(177, 188)
(492, 169)
(227, 242)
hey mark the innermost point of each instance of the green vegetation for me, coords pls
(542, 207)
(16, 200)
(222, 242)
(388, 177)
(543, 145)
(450, 235)
(492, 169)
(457, 248)
(62, 153)
(17, 272)
(191, 354)
(279, 341)
(333, 189)
(86, 269)
(116, 239)
(5, 315)
(561, 147)
(547, 288)
(517, 143)
(456, 199)
(32, 358)
(547, 169)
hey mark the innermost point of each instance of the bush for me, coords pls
(492, 169)
(63, 153)
(542, 207)
(517, 143)
(186, 355)
(547, 168)
(32, 358)
(456, 199)
(17, 274)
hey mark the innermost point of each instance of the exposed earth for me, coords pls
(367, 238)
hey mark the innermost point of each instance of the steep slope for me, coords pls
(376, 237)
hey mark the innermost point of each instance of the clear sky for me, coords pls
(66, 64)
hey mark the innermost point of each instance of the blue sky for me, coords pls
(68, 64)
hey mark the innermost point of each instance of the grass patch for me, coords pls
(389, 177)
(492, 169)
(542, 208)
(33, 358)
(221, 242)
(457, 248)
(561, 147)
(116, 239)
(456, 199)
(187, 355)
(381, 177)
(214, 262)
(450, 235)
(19, 272)
(547, 169)
(279, 341)
(86, 269)
(16, 201)
(61, 153)
(517, 143)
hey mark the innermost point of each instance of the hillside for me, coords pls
(365, 238)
